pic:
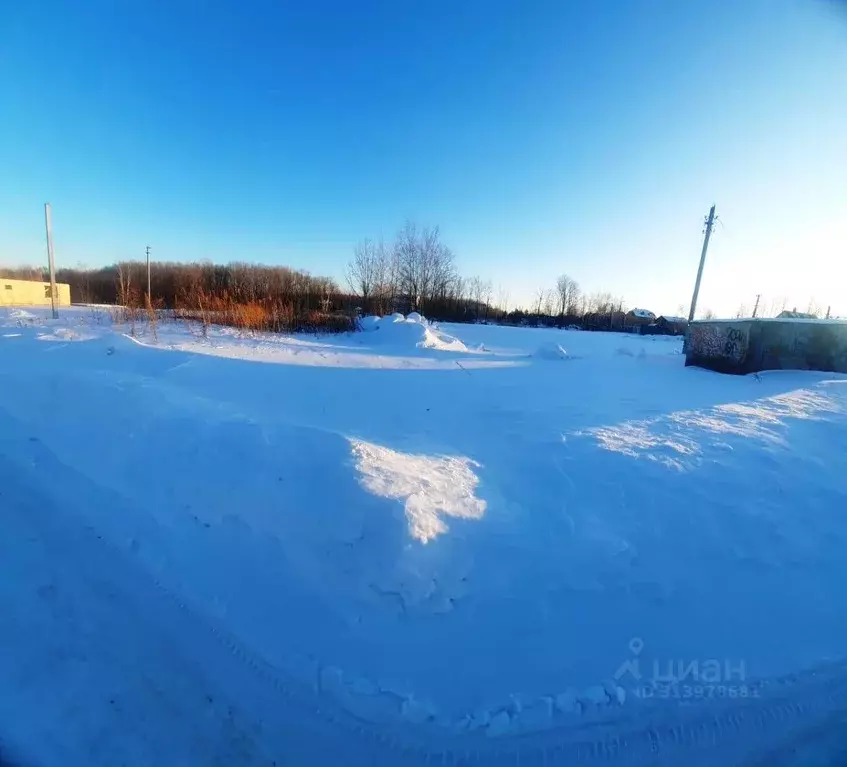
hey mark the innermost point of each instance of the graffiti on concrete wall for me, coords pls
(720, 340)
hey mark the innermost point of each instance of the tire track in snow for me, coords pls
(293, 722)
(796, 703)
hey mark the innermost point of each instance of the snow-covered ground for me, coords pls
(413, 545)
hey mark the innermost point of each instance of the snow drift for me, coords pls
(552, 351)
(408, 332)
(21, 314)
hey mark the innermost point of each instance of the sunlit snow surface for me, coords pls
(429, 487)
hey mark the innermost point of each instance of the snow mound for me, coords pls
(66, 334)
(21, 314)
(399, 331)
(552, 351)
(369, 323)
(435, 339)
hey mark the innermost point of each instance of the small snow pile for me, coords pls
(552, 351)
(21, 314)
(369, 323)
(411, 331)
(66, 334)
(436, 339)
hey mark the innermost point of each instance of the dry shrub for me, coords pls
(324, 322)
(266, 314)
(153, 309)
(250, 316)
(283, 317)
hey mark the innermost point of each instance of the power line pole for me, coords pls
(710, 223)
(149, 295)
(756, 307)
(48, 225)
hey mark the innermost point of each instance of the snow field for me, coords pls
(453, 549)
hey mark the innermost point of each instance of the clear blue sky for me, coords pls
(586, 137)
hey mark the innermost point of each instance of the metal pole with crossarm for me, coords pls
(710, 222)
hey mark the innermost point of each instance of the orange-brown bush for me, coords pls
(269, 314)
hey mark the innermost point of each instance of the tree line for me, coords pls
(416, 271)
(246, 295)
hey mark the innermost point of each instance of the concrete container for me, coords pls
(748, 346)
(31, 293)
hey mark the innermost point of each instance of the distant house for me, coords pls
(635, 319)
(671, 326)
(795, 315)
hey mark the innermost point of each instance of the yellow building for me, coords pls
(31, 293)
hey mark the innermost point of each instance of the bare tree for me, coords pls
(567, 289)
(487, 291)
(574, 301)
(390, 286)
(741, 312)
(459, 289)
(601, 303)
(502, 299)
(708, 314)
(366, 272)
(424, 265)
(124, 283)
(479, 293)
(539, 299)
(474, 289)
(406, 258)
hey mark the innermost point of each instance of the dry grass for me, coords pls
(270, 314)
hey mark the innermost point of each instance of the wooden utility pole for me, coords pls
(149, 295)
(48, 224)
(756, 307)
(710, 223)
